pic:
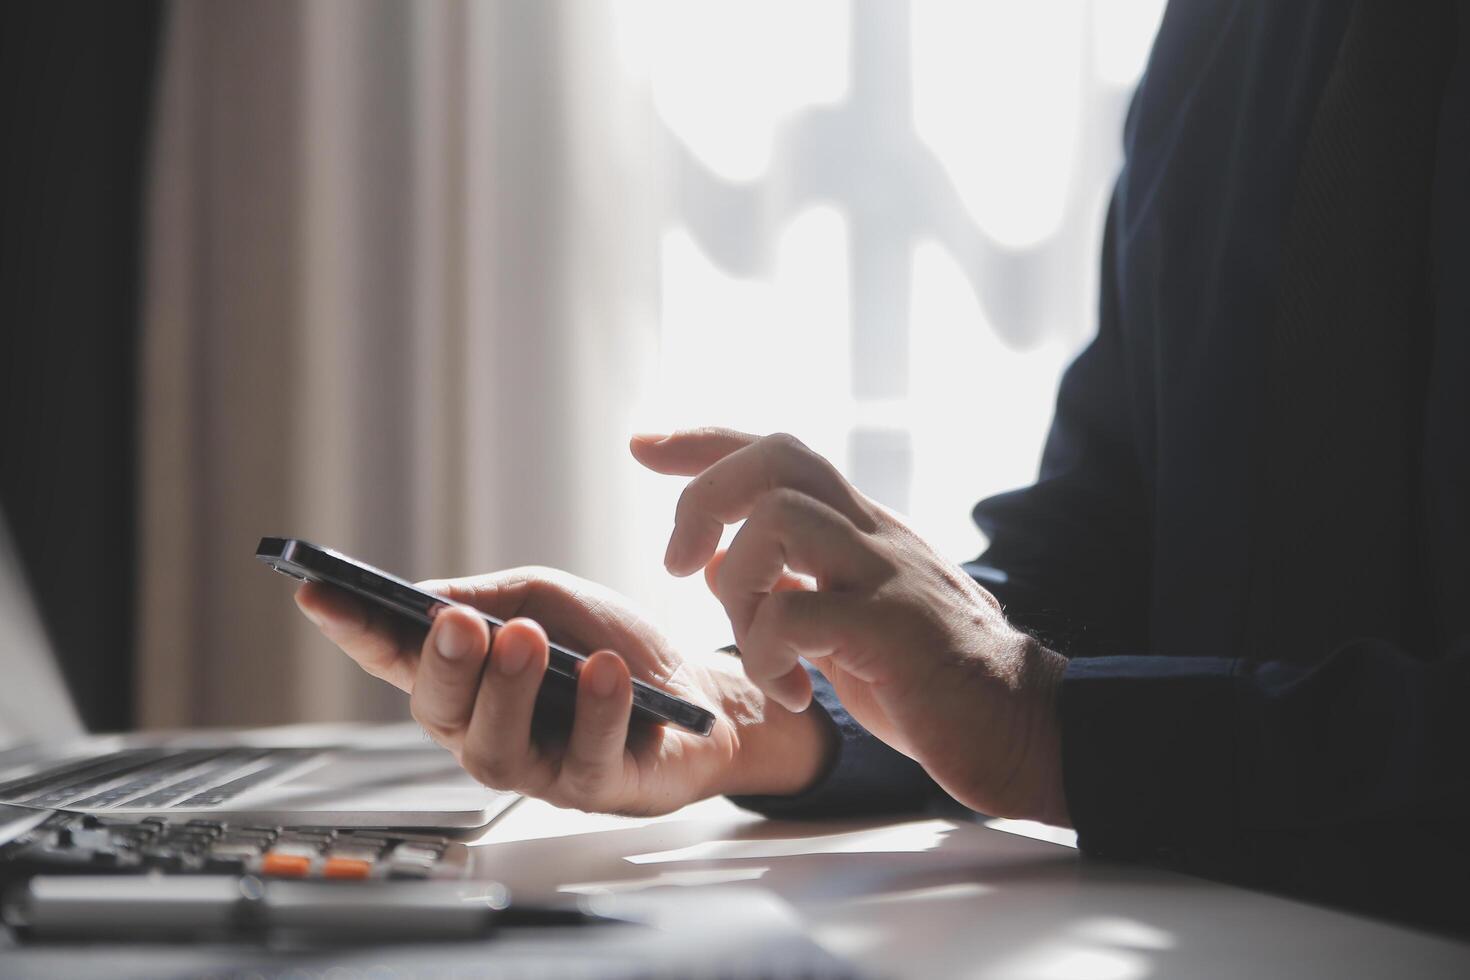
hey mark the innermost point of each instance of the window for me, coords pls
(882, 232)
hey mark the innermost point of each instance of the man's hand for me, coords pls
(476, 696)
(919, 653)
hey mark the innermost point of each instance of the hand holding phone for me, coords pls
(313, 563)
(485, 703)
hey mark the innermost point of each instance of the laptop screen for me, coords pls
(34, 703)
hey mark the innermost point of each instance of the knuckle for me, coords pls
(541, 574)
(796, 614)
(785, 442)
(782, 504)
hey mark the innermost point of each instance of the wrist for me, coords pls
(776, 752)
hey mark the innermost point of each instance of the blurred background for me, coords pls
(402, 277)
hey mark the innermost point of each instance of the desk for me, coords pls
(916, 898)
(937, 898)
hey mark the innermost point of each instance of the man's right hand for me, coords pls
(475, 695)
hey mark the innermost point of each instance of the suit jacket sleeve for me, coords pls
(1343, 780)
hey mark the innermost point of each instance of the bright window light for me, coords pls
(997, 97)
(979, 409)
(760, 354)
(1122, 33)
(724, 75)
(939, 147)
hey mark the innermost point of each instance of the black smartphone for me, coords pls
(313, 563)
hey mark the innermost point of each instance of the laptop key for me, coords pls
(224, 864)
(162, 858)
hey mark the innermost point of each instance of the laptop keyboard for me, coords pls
(154, 777)
(73, 843)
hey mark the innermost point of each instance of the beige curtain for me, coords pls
(372, 321)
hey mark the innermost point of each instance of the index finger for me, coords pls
(729, 490)
(689, 451)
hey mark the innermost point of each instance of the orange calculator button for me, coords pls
(346, 868)
(285, 865)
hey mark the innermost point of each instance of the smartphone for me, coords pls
(313, 563)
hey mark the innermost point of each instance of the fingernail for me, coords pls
(513, 655)
(603, 682)
(454, 640)
(651, 437)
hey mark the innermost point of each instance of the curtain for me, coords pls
(416, 270)
(372, 323)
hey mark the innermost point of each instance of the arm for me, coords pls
(1344, 781)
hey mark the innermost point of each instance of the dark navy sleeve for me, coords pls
(1344, 779)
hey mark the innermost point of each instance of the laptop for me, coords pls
(339, 776)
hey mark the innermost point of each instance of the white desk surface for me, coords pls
(915, 898)
(941, 898)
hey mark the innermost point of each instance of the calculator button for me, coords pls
(340, 867)
(285, 865)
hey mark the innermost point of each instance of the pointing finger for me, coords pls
(729, 490)
(689, 451)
